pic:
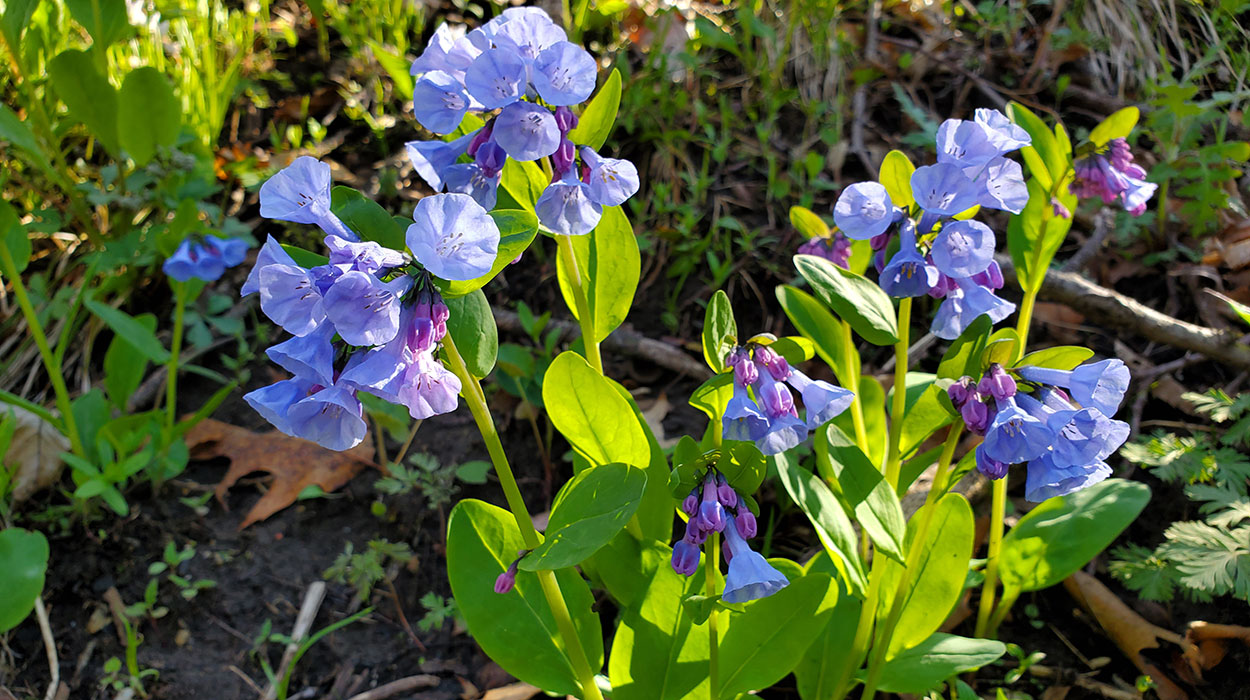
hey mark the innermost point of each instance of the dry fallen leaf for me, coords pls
(1130, 631)
(1212, 640)
(294, 463)
(34, 454)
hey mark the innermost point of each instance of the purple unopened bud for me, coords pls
(727, 551)
(1119, 153)
(961, 391)
(686, 557)
(1059, 209)
(976, 414)
(774, 363)
(725, 493)
(711, 512)
(562, 159)
(745, 521)
(997, 383)
(566, 121)
(991, 277)
(491, 158)
(880, 241)
(507, 579)
(745, 371)
(690, 506)
(482, 136)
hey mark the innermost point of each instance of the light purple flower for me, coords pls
(1100, 385)
(447, 51)
(332, 418)
(564, 74)
(743, 420)
(363, 256)
(453, 237)
(908, 274)
(364, 309)
(611, 181)
(300, 193)
(566, 207)
(273, 402)
(863, 210)
(1002, 185)
(527, 131)
(1046, 480)
(474, 180)
(750, 575)
(310, 356)
(289, 296)
(271, 253)
(822, 400)
(963, 305)
(943, 189)
(439, 101)
(1015, 435)
(527, 34)
(496, 78)
(431, 159)
(1002, 132)
(963, 248)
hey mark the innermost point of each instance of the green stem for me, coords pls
(471, 389)
(863, 631)
(936, 491)
(50, 362)
(998, 504)
(584, 317)
(851, 371)
(893, 460)
(175, 349)
(711, 547)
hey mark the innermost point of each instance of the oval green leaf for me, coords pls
(23, 563)
(590, 510)
(854, 298)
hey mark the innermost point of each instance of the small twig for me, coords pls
(623, 340)
(49, 646)
(396, 687)
(246, 679)
(1090, 247)
(1106, 690)
(303, 622)
(403, 619)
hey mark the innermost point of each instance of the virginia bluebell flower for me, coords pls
(836, 248)
(1044, 479)
(963, 248)
(204, 258)
(750, 575)
(610, 181)
(439, 101)
(908, 274)
(1110, 174)
(1100, 385)
(564, 74)
(863, 210)
(300, 193)
(566, 208)
(453, 237)
(433, 159)
(1015, 435)
(963, 304)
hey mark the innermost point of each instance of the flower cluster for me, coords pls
(771, 420)
(521, 64)
(366, 320)
(938, 255)
(1110, 174)
(204, 258)
(836, 248)
(1063, 429)
(720, 509)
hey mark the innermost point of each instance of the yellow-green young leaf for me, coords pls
(1064, 533)
(149, 114)
(595, 123)
(517, 230)
(1035, 234)
(516, 630)
(713, 395)
(1003, 347)
(968, 213)
(853, 298)
(88, 95)
(655, 512)
(810, 493)
(472, 326)
(23, 562)
(895, 175)
(591, 415)
(1117, 126)
(610, 264)
(1055, 160)
(589, 511)
(1239, 309)
(658, 652)
(940, 573)
(808, 222)
(928, 664)
(720, 331)
(766, 641)
(963, 357)
(521, 185)
(1065, 357)
(925, 416)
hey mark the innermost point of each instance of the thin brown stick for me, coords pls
(423, 680)
(403, 619)
(1114, 310)
(303, 622)
(49, 647)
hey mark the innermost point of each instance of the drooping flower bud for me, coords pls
(507, 579)
(997, 383)
(747, 526)
(725, 493)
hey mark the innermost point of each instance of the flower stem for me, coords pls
(584, 316)
(851, 372)
(51, 363)
(893, 460)
(998, 503)
(471, 389)
(175, 349)
(936, 491)
(712, 547)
